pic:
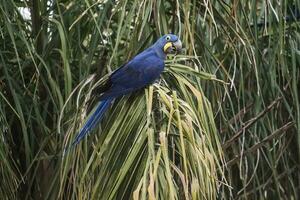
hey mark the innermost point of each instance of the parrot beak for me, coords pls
(177, 46)
(173, 47)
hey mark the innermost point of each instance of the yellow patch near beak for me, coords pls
(167, 46)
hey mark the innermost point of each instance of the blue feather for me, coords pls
(92, 121)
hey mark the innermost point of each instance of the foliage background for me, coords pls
(252, 115)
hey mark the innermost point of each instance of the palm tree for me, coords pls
(222, 122)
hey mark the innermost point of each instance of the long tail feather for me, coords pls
(92, 121)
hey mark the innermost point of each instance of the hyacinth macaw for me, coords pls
(139, 72)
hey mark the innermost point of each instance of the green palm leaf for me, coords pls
(222, 122)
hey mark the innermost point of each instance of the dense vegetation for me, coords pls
(223, 122)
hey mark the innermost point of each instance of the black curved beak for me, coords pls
(177, 46)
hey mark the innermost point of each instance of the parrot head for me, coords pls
(169, 43)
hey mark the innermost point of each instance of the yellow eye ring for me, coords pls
(168, 38)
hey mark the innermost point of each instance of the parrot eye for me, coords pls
(168, 38)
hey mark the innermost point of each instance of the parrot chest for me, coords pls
(153, 71)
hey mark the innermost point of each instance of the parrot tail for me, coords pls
(92, 121)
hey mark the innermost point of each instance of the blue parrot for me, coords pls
(139, 72)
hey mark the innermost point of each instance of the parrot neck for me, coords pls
(159, 52)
